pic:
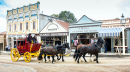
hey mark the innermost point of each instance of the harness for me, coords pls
(97, 46)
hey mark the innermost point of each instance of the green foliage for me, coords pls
(55, 15)
(66, 16)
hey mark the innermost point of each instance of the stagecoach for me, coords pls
(25, 49)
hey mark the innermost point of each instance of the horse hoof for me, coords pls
(62, 60)
(38, 61)
(95, 60)
(53, 62)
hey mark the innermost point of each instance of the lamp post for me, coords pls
(123, 37)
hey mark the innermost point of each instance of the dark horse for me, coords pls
(53, 50)
(48, 51)
(61, 50)
(91, 49)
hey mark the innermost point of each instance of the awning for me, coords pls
(110, 32)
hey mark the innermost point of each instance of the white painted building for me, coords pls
(55, 32)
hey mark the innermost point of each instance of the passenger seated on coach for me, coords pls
(35, 39)
(29, 38)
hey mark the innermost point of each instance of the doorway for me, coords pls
(108, 44)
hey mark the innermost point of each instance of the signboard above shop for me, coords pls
(54, 34)
(85, 29)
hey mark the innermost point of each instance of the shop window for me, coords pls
(34, 24)
(26, 25)
(20, 26)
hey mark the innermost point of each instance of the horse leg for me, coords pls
(45, 57)
(53, 59)
(62, 58)
(84, 57)
(97, 57)
(48, 58)
(57, 57)
(79, 57)
(90, 57)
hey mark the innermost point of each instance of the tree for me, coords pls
(67, 16)
(55, 15)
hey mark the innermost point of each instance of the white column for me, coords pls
(39, 39)
(68, 39)
(123, 40)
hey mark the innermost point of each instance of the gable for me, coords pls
(85, 19)
(53, 27)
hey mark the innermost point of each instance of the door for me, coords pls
(108, 44)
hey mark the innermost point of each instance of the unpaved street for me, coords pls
(107, 64)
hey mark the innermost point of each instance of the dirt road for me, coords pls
(105, 65)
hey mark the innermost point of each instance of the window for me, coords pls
(26, 25)
(9, 27)
(34, 26)
(14, 27)
(20, 26)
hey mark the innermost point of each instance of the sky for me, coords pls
(94, 9)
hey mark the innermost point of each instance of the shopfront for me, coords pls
(82, 31)
(113, 31)
(55, 33)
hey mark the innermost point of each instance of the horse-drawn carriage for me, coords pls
(25, 49)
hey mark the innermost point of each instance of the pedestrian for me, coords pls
(29, 38)
(105, 44)
(6, 48)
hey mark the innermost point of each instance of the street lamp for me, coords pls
(123, 37)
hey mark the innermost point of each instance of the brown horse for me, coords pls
(83, 54)
(91, 49)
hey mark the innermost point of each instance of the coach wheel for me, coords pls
(14, 54)
(27, 57)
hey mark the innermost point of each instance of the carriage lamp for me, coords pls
(123, 37)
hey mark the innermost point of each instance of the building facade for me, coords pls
(56, 32)
(24, 20)
(82, 31)
(112, 32)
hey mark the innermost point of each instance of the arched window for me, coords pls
(14, 27)
(34, 24)
(9, 27)
(20, 26)
(26, 25)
